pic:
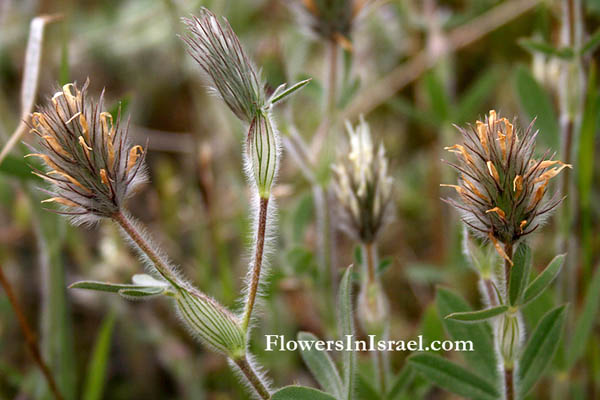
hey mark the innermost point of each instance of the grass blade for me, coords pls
(96, 373)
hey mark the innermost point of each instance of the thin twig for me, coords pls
(378, 92)
(29, 336)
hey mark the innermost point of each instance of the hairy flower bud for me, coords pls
(214, 45)
(262, 148)
(362, 187)
(211, 322)
(501, 185)
(90, 163)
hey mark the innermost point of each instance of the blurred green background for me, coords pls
(100, 346)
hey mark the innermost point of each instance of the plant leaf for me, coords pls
(105, 286)
(300, 393)
(404, 378)
(141, 292)
(96, 373)
(538, 46)
(519, 273)
(346, 322)
(482, 359)
(453, 377)
(585, 321)
(592, 43)
(321, 366)
(540, 349)
(471, 317)
(285, 93)
(541, 282)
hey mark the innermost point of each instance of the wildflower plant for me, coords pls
(502, 199)
(363, 192)
(93, 169)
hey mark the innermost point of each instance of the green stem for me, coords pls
(253, 378)
(509, 384)
(125, 222)
(258, 258)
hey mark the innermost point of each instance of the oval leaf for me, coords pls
(321, 366)
(477, 316)
(453, 377)
(300, 393)
(541, 282)
(519, 273)
(540, 349)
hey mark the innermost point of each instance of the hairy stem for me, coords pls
(509, 385)
(379, 357)
(253, 378)
(126, 223)
(258, 258)
(29, 336)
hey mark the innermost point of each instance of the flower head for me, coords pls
(231, 74)
(501, 185)
(90, 164)
(329, 19)
(362, 185)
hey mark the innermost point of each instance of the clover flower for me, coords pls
(362, 186)
(90, 163)
(329, 19)
(501, 186)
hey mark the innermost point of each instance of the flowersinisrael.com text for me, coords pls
(280, 343)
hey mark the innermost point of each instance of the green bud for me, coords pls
(262, 149)
(372, 309)
(211, 322)
(508, 332)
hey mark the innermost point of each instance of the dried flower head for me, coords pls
(501, 186)
(362, 185)
(90, 163)
(231, 74)
(329, 19)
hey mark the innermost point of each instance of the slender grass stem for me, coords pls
(124, 221)
(29, 336)
(258, 258)
(253, 378)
